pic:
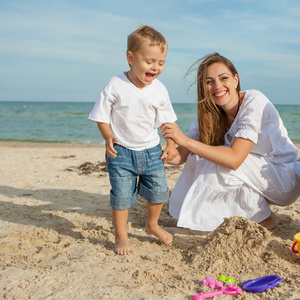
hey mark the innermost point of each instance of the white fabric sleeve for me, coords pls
(193, 132)
(101, 111)
(250, 119)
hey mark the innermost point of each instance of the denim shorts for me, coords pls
(136, 172)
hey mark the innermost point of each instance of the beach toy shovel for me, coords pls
(296, 244)
(229, 290)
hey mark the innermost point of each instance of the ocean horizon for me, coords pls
(67, 122)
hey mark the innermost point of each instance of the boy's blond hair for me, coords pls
(136, 38)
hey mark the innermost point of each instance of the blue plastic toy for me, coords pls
(261, 284)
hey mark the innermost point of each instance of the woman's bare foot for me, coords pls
(164, 236)
(122, 247)
(271, 222)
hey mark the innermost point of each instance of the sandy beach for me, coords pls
(57, 236)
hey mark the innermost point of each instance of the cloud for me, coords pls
(83, 43)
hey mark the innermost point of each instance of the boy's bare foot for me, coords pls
(271, 222)
(164, 236)
(122, 247)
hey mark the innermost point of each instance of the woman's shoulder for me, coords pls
(255, 98)
(254, 95)
(258, 103)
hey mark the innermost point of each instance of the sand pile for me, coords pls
(242, 249)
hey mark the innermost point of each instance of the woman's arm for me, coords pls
(227, 157)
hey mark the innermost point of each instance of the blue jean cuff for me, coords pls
(123, 203)
(153, 197)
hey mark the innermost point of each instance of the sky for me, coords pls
(66, 50)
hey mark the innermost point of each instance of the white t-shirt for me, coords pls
(134, 114)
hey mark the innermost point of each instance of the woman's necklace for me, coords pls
(238, 108)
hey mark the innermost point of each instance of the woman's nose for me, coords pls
(217, 84)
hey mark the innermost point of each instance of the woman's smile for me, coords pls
(220, 94)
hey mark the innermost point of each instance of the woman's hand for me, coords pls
(229, 157)
(172, 130)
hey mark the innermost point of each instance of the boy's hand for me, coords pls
(109, 138)
(109, 144)
(169, 153)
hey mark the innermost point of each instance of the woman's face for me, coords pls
(221, 85)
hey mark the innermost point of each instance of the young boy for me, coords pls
(128, 112)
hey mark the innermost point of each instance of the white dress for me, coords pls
(206, 193)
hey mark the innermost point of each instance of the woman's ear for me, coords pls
(236, 80)
(129, 55)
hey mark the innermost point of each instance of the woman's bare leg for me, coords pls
(271, 222)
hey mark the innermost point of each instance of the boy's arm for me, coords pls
(170, 152)
(109, 138)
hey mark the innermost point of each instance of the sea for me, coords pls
(67, 122)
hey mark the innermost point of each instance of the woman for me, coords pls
(238, 156)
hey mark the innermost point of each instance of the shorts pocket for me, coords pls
(122, 187)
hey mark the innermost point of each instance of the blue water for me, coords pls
(60, 122)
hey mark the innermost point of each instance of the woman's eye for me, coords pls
(224, 78)
(209, 82)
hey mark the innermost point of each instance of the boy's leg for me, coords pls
(152, 226)
(153, 187)
(122, 246)
(122, 195)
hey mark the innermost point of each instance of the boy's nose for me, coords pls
(155, 66)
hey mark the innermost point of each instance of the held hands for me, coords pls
(171, 130)
(169, 153)
(109, 142)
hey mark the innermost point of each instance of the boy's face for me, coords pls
(146, 63)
